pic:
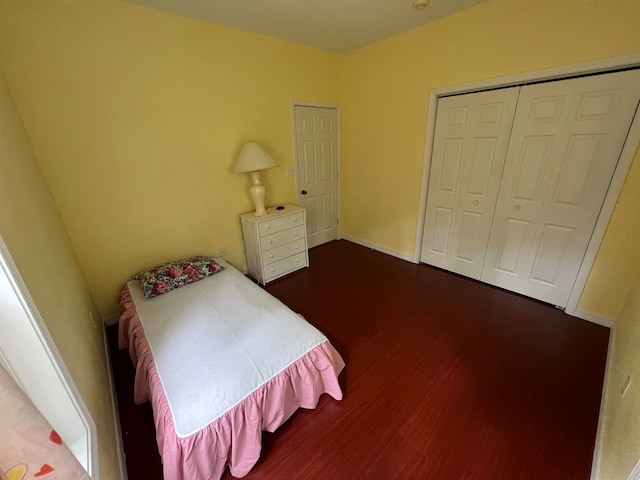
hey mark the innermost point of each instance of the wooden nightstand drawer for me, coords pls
(285, 265)
(283, 251)
(275, 240)
(279, 224)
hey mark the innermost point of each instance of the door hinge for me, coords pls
(337, 220)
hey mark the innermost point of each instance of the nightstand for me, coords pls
(275, 243)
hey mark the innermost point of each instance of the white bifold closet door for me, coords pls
(471, 139)
(563, 148)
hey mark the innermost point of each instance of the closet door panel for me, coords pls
(565, 144)
(468, 155)
(514, 232)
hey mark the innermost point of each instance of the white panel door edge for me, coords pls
(566, 141)
(611, 199)
(635, 473)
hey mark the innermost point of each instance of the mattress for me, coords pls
(221, 360)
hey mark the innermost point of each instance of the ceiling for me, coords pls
(334, 25)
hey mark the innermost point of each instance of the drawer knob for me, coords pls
(297, 247)
(270, 242)
(295, 234)
(297, 260)
(295, 219)
(273, 270)
(268, 227)
(271, 256)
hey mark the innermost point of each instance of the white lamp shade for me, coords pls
(253, 158)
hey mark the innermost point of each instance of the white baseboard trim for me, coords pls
(114, 408)
(373, 246)
(593, 317)
(597, 449)
(578, 312)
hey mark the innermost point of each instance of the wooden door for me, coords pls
(566, 140)
(317, 171)
(470, 144)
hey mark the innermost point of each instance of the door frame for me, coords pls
(296, 160)
(635, 473)
(37, 340)
(624, 163)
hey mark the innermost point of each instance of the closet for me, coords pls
(518, 177)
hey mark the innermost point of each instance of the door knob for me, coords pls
(303, 192)
(517, 208)
(476, 202)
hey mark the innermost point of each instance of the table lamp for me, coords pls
(252, 159)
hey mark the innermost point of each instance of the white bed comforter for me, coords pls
(216, 341)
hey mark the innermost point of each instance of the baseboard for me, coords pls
(592, 317)
(597, 450)
(579, 313)
(379, 248)
(114, 408)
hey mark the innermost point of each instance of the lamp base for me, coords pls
(258, 193)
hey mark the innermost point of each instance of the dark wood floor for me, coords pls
(446, 378)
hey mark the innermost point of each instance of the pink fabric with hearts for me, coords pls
(29, 447)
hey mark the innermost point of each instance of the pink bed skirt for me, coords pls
(234, 439)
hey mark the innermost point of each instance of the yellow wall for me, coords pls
(136, 116)
(34, 233)
(385, 92)
(618, 260)
(620, 422)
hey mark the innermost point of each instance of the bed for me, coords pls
(221, 360)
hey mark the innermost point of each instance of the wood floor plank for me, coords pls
(446, 378)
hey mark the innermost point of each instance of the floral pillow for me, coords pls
(164, 278)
